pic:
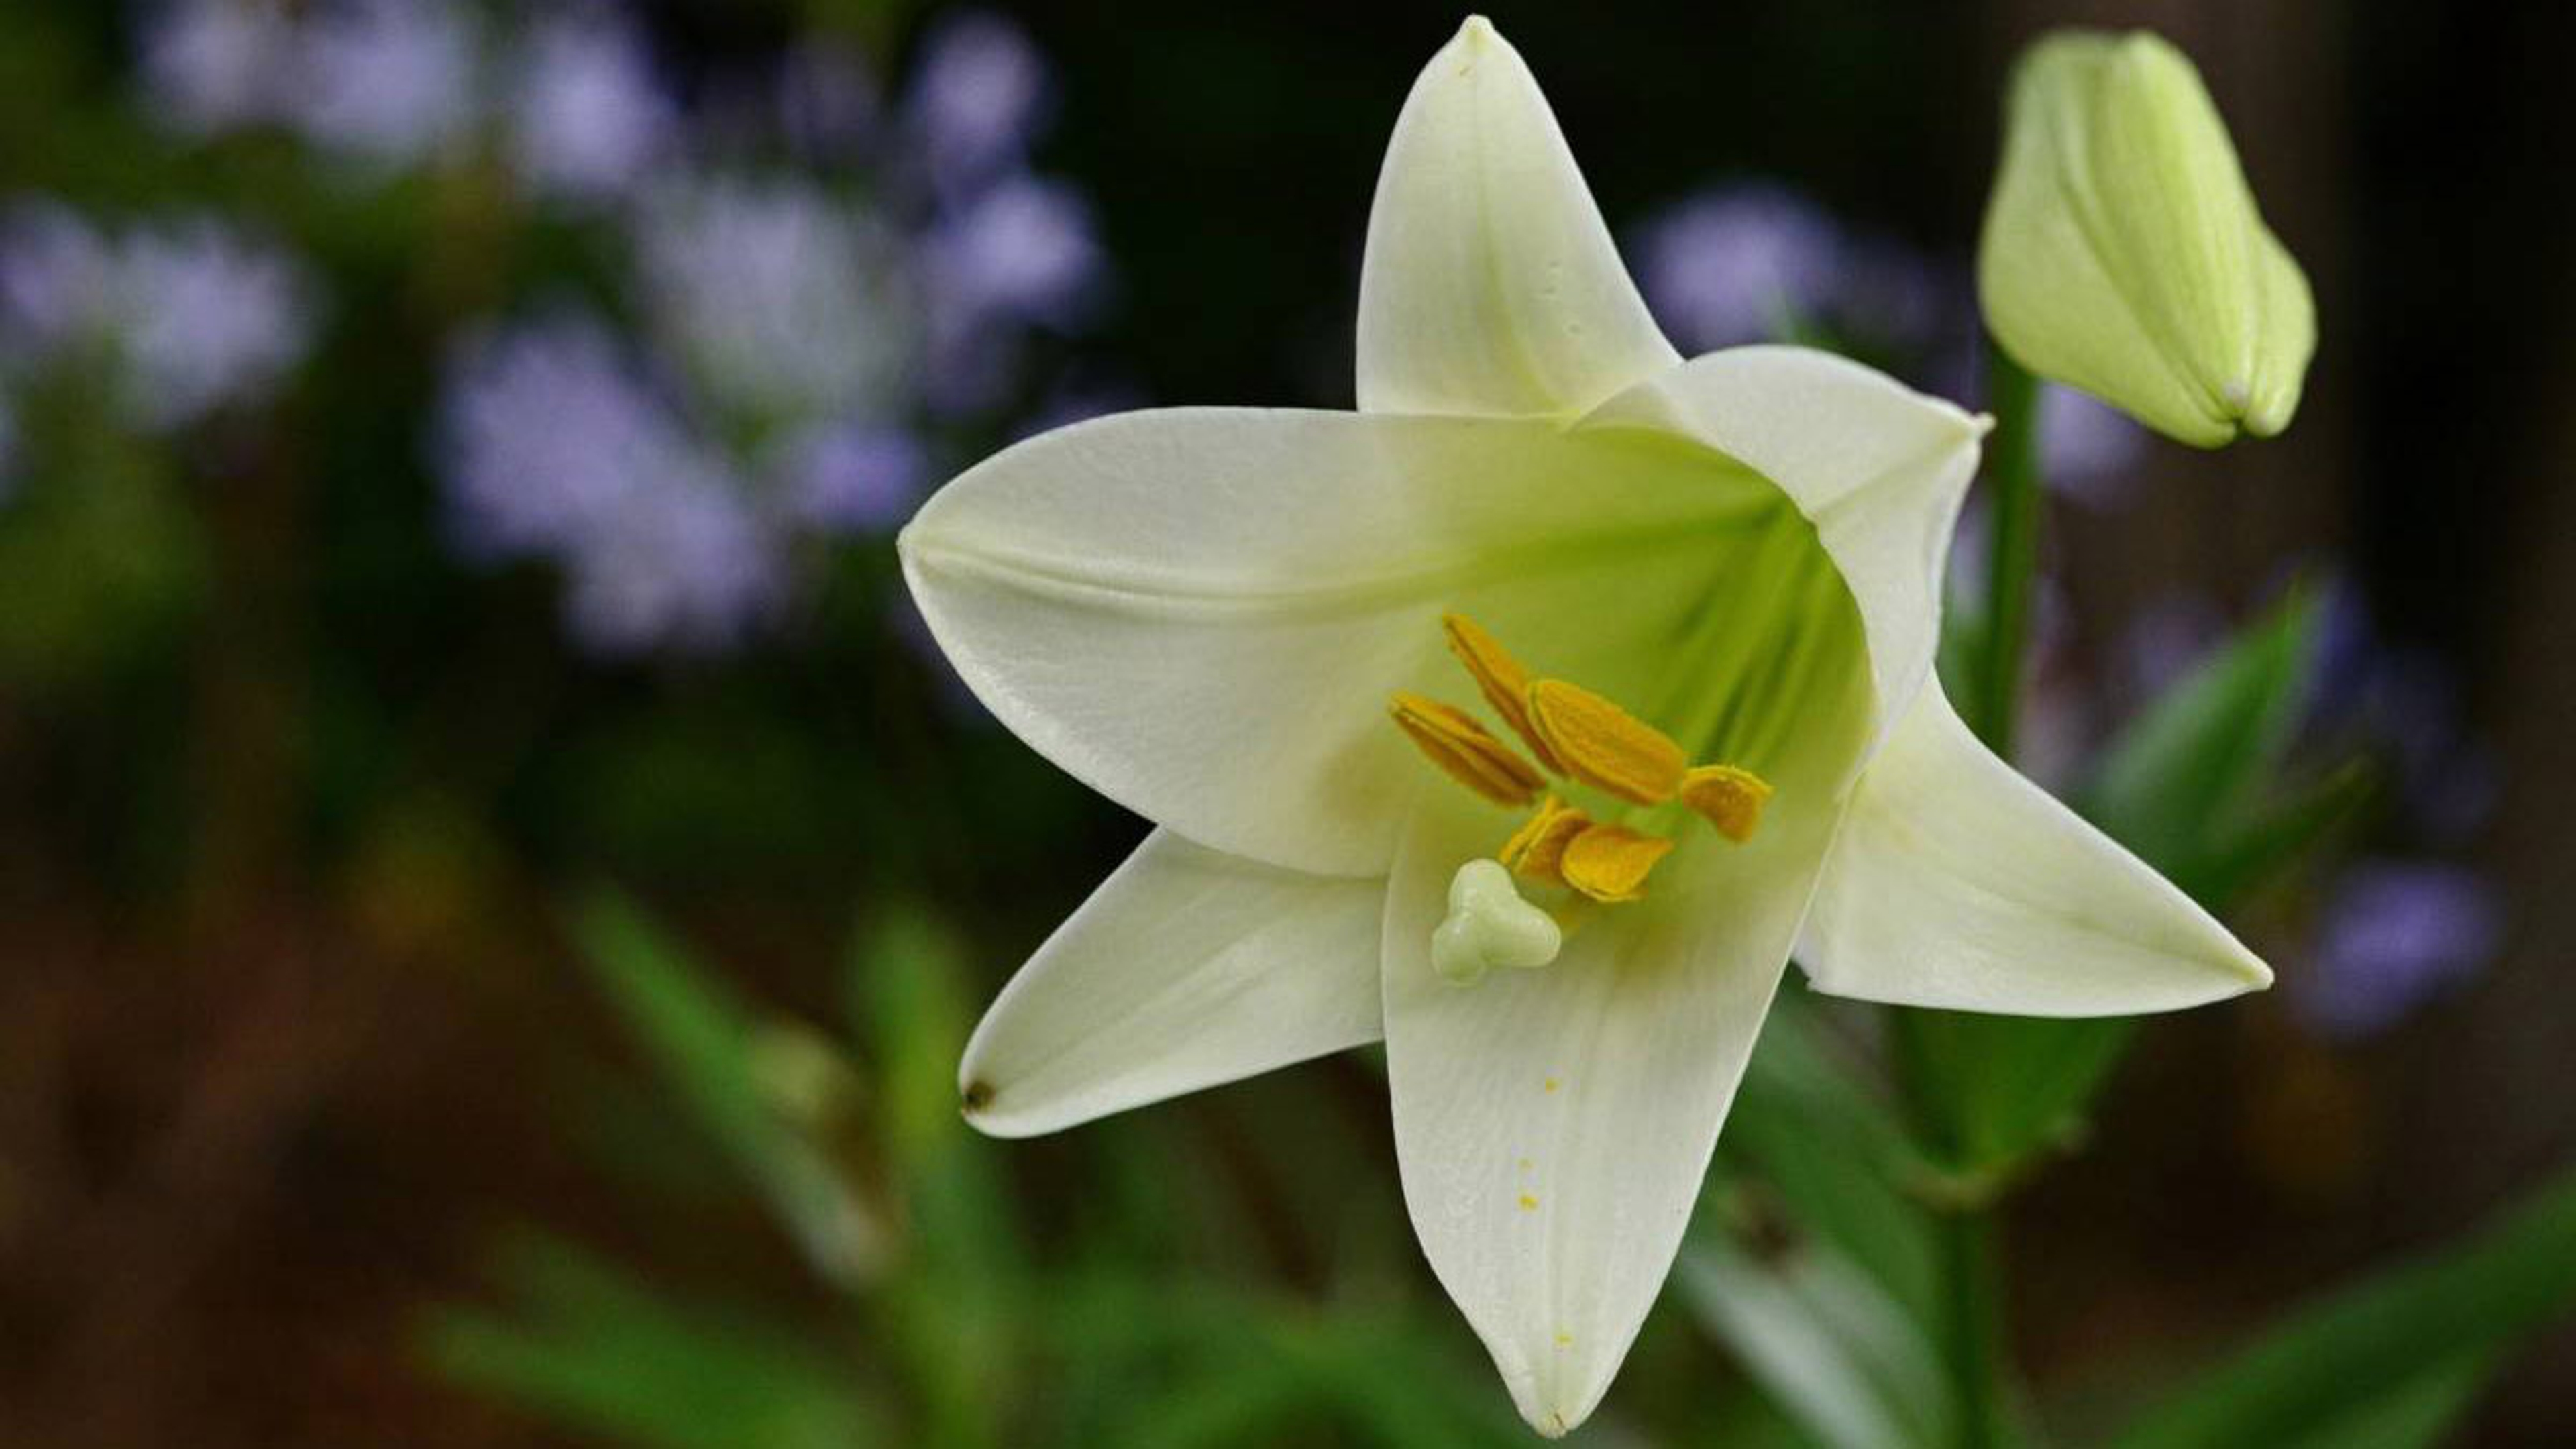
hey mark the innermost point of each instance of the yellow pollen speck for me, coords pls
(1500, 678)
(1529, 1204)
(1603, 745)
(1452, 739)
(1550, 1085)
(1564, 1339)
(1729, 797)
(1538, 847)
(1610, 862)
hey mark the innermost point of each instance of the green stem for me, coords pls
(2014, 501)
(1975, 1330)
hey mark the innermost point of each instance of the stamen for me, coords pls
(1457, 744)
(1603, 745)
(1538, 847)
(1610, 862)
(1730, 797)
(1499, 677)
(1489, 925)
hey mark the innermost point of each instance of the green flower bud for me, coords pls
(2123, 253)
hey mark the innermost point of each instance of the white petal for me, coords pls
(1491, 285)
(1957, 883)
(1201, 612)
(1553, 1125)
(1186, 968)
(1878, 468)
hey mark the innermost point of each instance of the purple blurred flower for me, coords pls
(1740, 264)
(391, 82)
(589, 114)
(213, 66)
(544, 431)
(980, 93)
(1025, 250)
(2404, 698)
(785, 302)
(853, 478)
(57, 279)
(193, 315)
(2087, 448)
(2395, 935)
(1023, 254)
(555, 446)
(208, 319)
(681, 564)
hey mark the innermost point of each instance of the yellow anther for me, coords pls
(1538, 847)
(1730, 798)
(1457, 744)
(1609, 862)
(1500, 677)
(1603, 745)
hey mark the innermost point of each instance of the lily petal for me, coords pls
(1553, 1126)
(1491, 285)
(1201, 612)
(1878, 468)
(1186, 968)
(1957, 883)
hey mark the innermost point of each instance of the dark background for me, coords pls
(283, 1001)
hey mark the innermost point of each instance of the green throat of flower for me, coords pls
(1582, 740)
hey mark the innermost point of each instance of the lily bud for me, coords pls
(2123, 253)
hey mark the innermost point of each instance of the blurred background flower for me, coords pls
(497, 879)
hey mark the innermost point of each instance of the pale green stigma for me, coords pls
(1489, 925)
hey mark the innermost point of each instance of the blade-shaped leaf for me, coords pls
(2196, 762)
(590, 1348)
(1836, 1154)
(1829, 1345)
(721, 1059)
(2393, 1360)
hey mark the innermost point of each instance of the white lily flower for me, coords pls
(1208, 614)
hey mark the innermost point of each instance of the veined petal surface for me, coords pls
(1186, 968)
(1553, 1126)
(1957, 883)
(1491, 285)
(1201, 612)
(1878, 468)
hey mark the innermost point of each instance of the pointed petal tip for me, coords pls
(1980, 424)
(1477, 42)
(975, 1106)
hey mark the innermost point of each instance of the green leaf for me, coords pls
(2196, 763)
(2002, 1088)
(954, 1312)
(1826, 1342)
(2394, 1360)
(748, 1082)
(1836, 1154)
(590, 1348)
(2243, 860)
